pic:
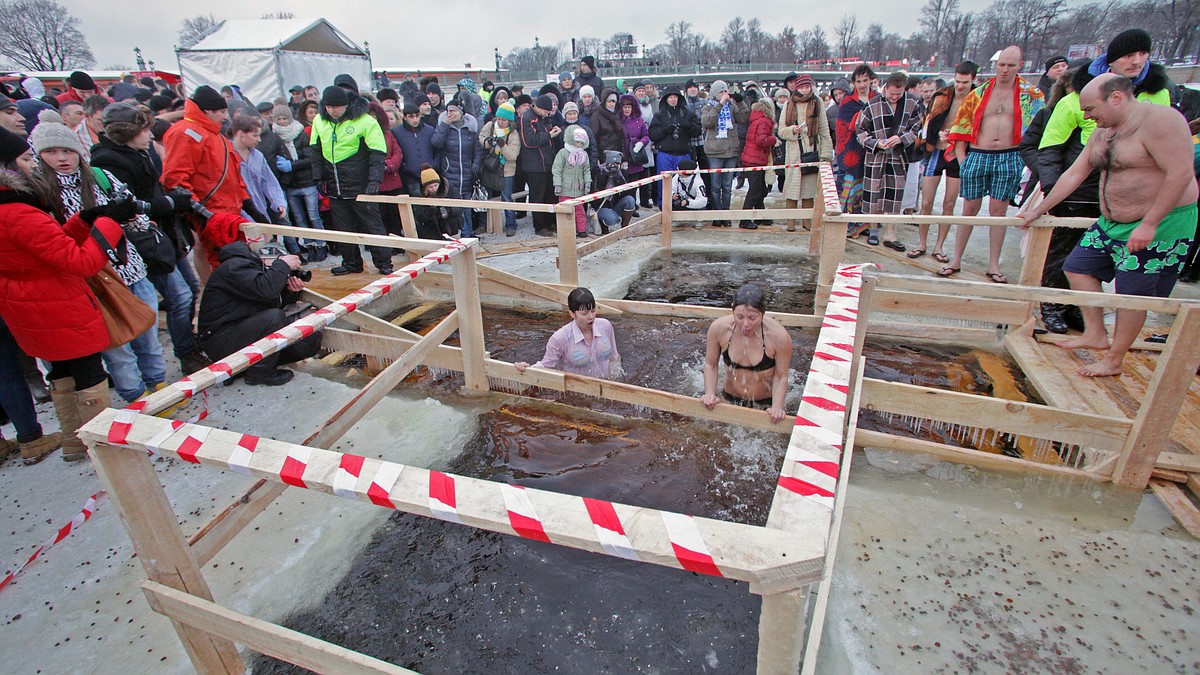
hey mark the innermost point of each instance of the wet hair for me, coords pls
(245, 124)
(967, 68)
(751, 296)
(581, 298)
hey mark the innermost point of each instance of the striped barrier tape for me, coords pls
(829, 190)
(356, 477)
(650, 179)
(89, 507)
(810, 468)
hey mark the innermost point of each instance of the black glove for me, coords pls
(372, 188)
(738, 98)
(122, 211)
(252, 210)
(162, 205)
(89, 216)
(182, 199)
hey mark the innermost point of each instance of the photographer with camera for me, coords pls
(672, 130)
(125, 150)
(244, 301)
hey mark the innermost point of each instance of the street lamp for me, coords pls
(137, 53)
(497, 50)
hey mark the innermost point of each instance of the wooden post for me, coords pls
(1035, 261)
(1164, 396)
(833, 251)
(568, 257)
(781, 627)
(470, 319)
(408, 223)
(668, 189)
(160, 546)
(816, 234)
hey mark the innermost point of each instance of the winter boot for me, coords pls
(89, 403)
(1054, 316)
(626, 216)
(66, 406)
(37, 449)
(7, 447)
(33, 376)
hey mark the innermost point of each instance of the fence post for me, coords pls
(668, 189)
(1164, 396)
(154, 530)
(816, 234)
(568, 256)
(408, 223)
(470, 321)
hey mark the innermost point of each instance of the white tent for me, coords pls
(266, 57)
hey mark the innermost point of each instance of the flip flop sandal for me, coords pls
(948, 271)
(997, 278)
(873, 239)
(894, 245)
(916, 253)
(941, 257)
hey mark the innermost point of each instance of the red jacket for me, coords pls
(196, 153)
(43, 297)
(760, 138)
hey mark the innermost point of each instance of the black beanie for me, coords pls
(158, 103)
(208, 99)
(81, 80)
(544, 102)
(422, 98)
(335, 95)
(590, 61)
(411, 109)
(147, 82)
(524, 99)
(1128, 42)
(433, 88)
(12, 146)
(346, 82)
(1053, 61)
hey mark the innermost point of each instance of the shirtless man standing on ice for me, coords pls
(1148, 201)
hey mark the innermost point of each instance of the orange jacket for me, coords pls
(196, 155)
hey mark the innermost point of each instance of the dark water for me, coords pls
(443, 598)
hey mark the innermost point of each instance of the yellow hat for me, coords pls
(428, 175)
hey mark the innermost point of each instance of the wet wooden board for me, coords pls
(925, 262)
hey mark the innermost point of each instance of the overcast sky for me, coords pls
(456, 35)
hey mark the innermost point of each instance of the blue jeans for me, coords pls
(666, 162)
(15, 396)
(177, 298)
(611, 215)
(139, 365)
(510, 217)
(302, 205)
(721, 183)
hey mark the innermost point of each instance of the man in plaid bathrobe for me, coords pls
(886, 128)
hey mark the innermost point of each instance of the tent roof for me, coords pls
(306, 35)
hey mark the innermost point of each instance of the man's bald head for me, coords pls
(1008, 64)
(1108, 100)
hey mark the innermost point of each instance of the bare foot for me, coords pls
(1086, 341)
(1101, 368)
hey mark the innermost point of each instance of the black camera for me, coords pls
(201, 212)
(302, 274)
(139, 206)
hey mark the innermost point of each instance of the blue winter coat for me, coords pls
(417, 147)
(458, 153)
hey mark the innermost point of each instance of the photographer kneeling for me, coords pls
(243, 302)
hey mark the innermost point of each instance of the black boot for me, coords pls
(1054, 316)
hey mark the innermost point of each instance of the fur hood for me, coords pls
(1156, 80)
(16, 189)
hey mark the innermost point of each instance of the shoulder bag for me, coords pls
(125, 316)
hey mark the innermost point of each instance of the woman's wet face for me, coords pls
(747, 319)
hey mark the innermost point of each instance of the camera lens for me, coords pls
(303, 275)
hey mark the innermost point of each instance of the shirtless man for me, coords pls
(1148, 201)
(943, 109)
(986, 147)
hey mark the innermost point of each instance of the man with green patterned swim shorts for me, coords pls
(1148, 201)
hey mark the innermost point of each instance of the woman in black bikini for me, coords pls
(757, 351)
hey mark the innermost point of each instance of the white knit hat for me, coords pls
(51, 132)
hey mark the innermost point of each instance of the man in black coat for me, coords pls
(243, 302)
(672, 130)
(537, 159)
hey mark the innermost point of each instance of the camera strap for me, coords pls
(224, 171)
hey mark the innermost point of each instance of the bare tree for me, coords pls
(756, 41)
(540, 57)
(936, 15)
(588, 45)
(42, 35)
(620, 46)
(786, 46)
(846, 31)
(278, 15)
(681, 43)
(733, 41)
(814, 44)
(873, 43)
(192, 29)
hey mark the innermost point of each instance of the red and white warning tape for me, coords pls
(650, 179)
(829, 190)
(810, 468)
(89, 507)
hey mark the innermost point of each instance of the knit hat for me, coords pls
(569, 107)
(433, 88)
(346, 82)
(689, 84)
(566, 75)
(334, 95)
(687, 165)
(780, 91)
(147, 82)
(1053, 61)
(428, 176)
(790, 76)
(6, 102)
(208, 99)
(81, 80)
(52, 133)
(507, 111)
(282, 111)
(1126, 43)
(587, 90)
(717, 87)
(12, 146)
(579, 135)
(804, 79)
(590, 61)
(422, 98)
(524, 99)
(454, 105)
(158, 103)
(544, 102)
(411, 109)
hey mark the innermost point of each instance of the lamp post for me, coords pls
(497, 53)
(137, 54)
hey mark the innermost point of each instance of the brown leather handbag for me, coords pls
(125, 315)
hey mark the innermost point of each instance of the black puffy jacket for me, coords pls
(673, 128)
(240, 287)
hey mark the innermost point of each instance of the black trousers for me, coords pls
(229, 339)
(363, 218)
(756, 194)
(541, 191)
(88, 371)
(1063, 241)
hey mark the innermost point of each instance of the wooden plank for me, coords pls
(951, 307)
(668, 210)
(818, 227)
(360, 318)
(833, 252)
(1178, 461)
(1169, 475)
(1164, 396)
(1046, 222)
(390, 241)
(536, 289)
(931, 332)
(153, 527)
(986, 460)
(1177, 502)
(1035, 256)
(470, 322)
(262, 636)
(390, 347)
(1043, 375)
(734, 214)
(987, 289)
(533, 207)
(634, 229)
(568, 257)
(1016, 417)
(1142, 345)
